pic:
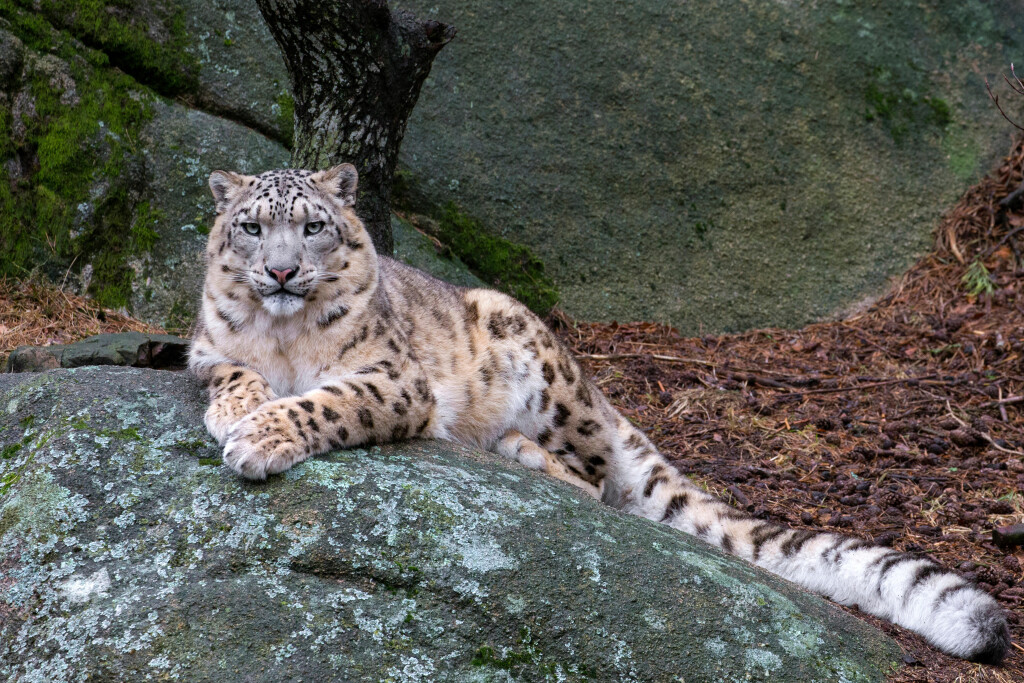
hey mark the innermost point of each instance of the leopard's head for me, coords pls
(289, 240)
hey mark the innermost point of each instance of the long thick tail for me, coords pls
(908, 589)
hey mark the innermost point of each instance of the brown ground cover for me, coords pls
(36, 313)
(903, 423)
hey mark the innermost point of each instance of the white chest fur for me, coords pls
(291, 360)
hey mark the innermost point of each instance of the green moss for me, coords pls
(487, 657)
(501, 263)
(143, 231)
(103, 24)
(127, 434)
(286, 117)
(963, 154)
(78, 140)
(890, 100)
(192, 447)
(112, 280)
(508, 266)
(7, 481)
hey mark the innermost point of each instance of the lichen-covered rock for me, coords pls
(128, 552)
(717, 165)
(134, 349)
(241, 72)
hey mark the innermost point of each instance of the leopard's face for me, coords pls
(285, 239)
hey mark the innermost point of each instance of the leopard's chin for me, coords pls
(283, 304)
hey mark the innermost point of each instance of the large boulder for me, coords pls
(717, 165)
(130, 552)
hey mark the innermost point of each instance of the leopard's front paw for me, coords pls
(262, 443)
(219, 423)
(228, 409)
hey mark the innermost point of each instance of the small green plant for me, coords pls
(977, 280)
(286, 116)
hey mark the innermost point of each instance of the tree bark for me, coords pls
(356, 69)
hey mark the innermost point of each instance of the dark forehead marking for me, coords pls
(278, 193)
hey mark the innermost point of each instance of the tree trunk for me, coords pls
(356, 69)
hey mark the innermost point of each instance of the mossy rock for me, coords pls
(417, 250)
(218, 56)
(68, 143)
(108, 179)
(718, 166)
(107, 183)
(131, 552)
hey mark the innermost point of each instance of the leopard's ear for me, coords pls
(340, 181)
(226, 186)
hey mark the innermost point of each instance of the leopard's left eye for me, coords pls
(314, 227)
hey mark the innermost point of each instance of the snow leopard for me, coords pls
(308, 340)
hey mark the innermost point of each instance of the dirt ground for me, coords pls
(902, 424)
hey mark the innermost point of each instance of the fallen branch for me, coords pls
(856, 387)
(667, 359)
(985, 437)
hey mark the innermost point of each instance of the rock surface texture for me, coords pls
(133, 349)
(129, 551)
(716, 165)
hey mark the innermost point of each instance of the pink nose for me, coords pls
(282, 275)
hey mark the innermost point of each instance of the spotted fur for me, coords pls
(310, 341)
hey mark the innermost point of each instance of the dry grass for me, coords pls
(39, 314)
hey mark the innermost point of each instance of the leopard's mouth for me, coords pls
(285, 292)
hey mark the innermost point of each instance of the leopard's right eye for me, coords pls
(251, 228)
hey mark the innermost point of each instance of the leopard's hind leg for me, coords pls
(515, 446)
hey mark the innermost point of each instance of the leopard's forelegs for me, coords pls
(344, 413)
(235, 392)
